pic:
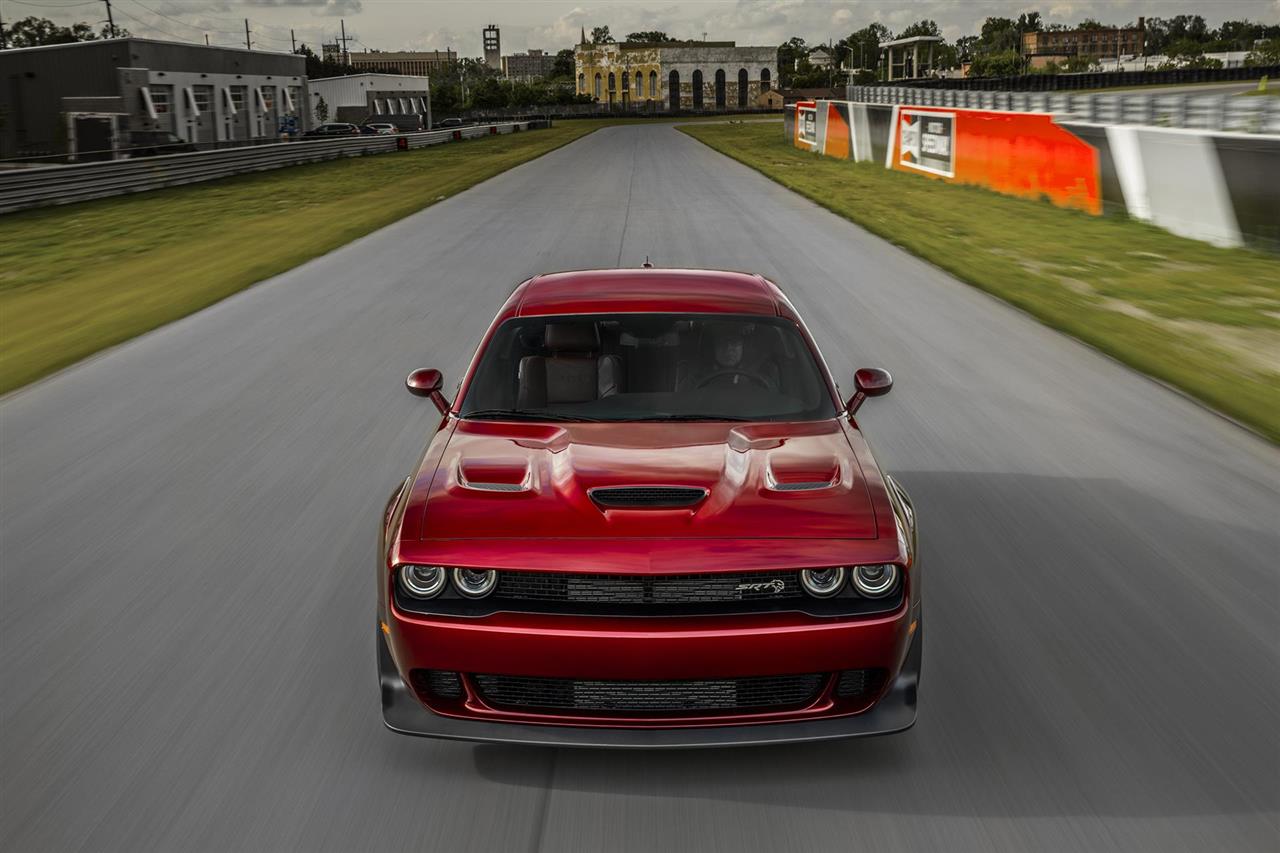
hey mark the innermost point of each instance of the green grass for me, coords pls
(79, 278)
(1203, 319)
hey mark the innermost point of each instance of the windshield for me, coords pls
(635, 367)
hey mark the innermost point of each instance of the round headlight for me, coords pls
(875, 581)
(475, 583)
(422, 581)
(822, 583)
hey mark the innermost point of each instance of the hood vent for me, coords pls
(646, 497)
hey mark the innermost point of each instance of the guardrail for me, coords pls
(1173, 109)
(52, 185)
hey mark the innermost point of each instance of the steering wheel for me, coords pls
(758, 380)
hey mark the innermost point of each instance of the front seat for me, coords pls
(573, 372)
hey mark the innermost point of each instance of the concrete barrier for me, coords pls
(1218, 186)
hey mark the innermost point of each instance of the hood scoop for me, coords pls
(646, 497)
(495, 475)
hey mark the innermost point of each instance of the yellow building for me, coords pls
(699, 75)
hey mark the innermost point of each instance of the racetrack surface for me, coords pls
(188, 523)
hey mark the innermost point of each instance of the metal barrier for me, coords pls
(1157, 109)
(39, 187)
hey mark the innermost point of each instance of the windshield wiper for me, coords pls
(517, 415)
(690, 418)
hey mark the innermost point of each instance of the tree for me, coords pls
(600, 35)
(563, 66)
(920, 28)
(322, 110)
(861, 49)
(791, 53)
(1091, 24)
(1029, 22)
(998, 35)
(1267, 53)
(1004, 63)
(649, 37)
(33, 32)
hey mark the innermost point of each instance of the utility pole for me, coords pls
(248, 45)
(206, 39)
(111, 24)
(293, 41)
(346, 55)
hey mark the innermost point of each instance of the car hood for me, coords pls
(761, 481)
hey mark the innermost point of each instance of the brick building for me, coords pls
(1044, 47)
(409, 62)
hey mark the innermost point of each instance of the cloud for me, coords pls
(318, 7)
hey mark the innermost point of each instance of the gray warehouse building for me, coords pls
(92, 100)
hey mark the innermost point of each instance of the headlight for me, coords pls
(875, 581)
(422, 581)
(475, 583)
(822, 583)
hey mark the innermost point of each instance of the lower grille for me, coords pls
(860, 683)
(436, 684)
(649, 589)
(726, 694)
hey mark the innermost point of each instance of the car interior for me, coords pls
(643, 366)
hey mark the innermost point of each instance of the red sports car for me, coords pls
(648, 519)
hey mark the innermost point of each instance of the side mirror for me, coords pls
(870, 382)
(426, 382)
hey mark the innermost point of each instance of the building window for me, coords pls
(268, 94)
(743, 85)
(697, 89)
(613, 83)
(599, 92)
(764, 80)
(161, 99)
(720, 89)
(653, 84)
(639, 85)
(673, 90)
(202, 97)
(582, 84)
(238, 95)
(626, 83)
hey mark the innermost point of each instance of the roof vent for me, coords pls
(646, 497)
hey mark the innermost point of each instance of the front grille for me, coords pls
(704, 695)
(648, 589)
(646, 497)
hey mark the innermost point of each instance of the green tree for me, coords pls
(861, 49)
(600, 35)
(33, 32)
(322, 110)
(792, 53)
(1267, 53)
(998, 35)
(649, 37)
(1091, 24)
(920, 28)
(1004, 63)
(563, 66)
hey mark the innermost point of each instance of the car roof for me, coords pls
(646, 289)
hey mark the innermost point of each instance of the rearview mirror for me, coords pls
(870, 382)
(426, 382)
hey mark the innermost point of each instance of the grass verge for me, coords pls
(83, 277)
(1203, 319)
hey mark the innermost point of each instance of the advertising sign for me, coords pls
(927, 142)
(807, 124)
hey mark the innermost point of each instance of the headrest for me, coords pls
(572, 337)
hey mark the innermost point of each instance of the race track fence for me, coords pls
(1205, 111)
(52, 185)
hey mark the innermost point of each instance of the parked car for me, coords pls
(334, 129)
(445, 124)
(648, 519)
(149, 143)
(379, 128)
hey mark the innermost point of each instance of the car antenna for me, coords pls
(646, 263)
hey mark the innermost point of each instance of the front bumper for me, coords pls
(895, 711)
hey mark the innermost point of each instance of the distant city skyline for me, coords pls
(553, 25)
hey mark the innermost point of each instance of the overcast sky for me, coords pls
(552, 24)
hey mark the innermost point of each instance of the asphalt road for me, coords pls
(186, 625)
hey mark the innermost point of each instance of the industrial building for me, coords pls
(358, 98)
(675, 76)
(1044, 47)
(492, 47)
(533, 65)
(409, 62)
(91, 100)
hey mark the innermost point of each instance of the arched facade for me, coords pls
(743, 84)
(639, 85)
(675, 75)
(653, 85)
(582, 84)
(720, 87)
(673, 89)
(599, 88)
(766, 81)
(697, 89)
